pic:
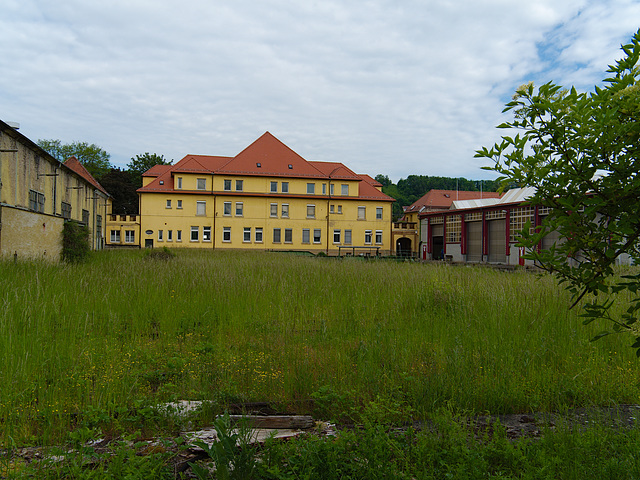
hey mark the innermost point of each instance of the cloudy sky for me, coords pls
(396, 87)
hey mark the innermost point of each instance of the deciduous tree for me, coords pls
(581, 152)
(91, 156)
(141, 163)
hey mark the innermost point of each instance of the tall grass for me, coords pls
(123, 330)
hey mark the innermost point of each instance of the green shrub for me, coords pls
(75, 242)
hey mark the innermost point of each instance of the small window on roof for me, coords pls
(161, 182)
(258, 165)
(290, 167)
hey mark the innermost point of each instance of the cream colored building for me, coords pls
(38, 194)
(266, 198)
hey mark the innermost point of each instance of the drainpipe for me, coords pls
(213, 222)
(328, 213)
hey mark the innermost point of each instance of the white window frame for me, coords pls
(239, 185)
(379, 213)
(347, 237)
(115, 236)
(279, 235)
(311, 211)
(288, 235)
(336, 235)
(160, 235)
(306, 235)
(273, 210)
(311, 188)
(274, 187)
(195, 234)
(239, 209)
(201, 208)
(246, 234)
(168, 205)
(258, 235)
(169, 235)
(317, 235)
(226, 234)
(226, 209)
(179, 186)
(129, 236)
(201, 183)
(179, 204)
(284, 188)
(362, 213)
(227, 185)
(206, 234)
(378, 237)
(344, 189)
(285, 210)
(178, 235)
(368, 237)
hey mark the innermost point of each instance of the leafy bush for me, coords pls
(75, 242)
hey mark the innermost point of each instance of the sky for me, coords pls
(398, 87)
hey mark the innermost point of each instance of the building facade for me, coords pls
(266, 198)
(123, 231)
(38, 194)
(407, 230)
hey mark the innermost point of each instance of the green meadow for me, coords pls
(98, 345)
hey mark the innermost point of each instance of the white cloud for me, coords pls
(385, 87)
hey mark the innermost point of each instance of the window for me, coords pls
(518, 220)
(129, 236)
(194, 234)
(331, 208)
(362, 213)
(306, 235)
(288, 235)
(276, 235)
(285, 210)
(201, 183)
(36, 202)
(316, 235)
(258, 235)
(179, 236)
(285, 187)
(179, 205)
(378, 213)
(85, 216)
(331, 188)
(311, 211)
(347, 237)
(239, 208)
(206, 234)
(311, 188)
(168, 203)
(201, 208)
(339, 208)
(226, 210)
(66, 210)
(226, 234)
(169, 235)
(324, 188)
(179, 185)
(454, 228)
(115, 236)
(227, 185)
(378, 236)
(273, 210)
(367, 237)
(160, 235)
(344, 189)
(274, 187)
(246, 234)
(238, 185)
(336, 236)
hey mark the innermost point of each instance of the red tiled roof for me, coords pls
(73, 164)
(156, 170)
(368, 190)
(370, 180)
(442, 199)
(268, 156)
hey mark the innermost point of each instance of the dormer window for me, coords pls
(290, 167)
(161, 182)
(259, 165)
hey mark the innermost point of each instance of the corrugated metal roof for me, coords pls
(460, 204)
(518, 195)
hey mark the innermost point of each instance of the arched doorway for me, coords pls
(403, 247)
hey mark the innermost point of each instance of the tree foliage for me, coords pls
(91, 156)
(141, 163)
(581, 152)
(122, 188)
(75, 242)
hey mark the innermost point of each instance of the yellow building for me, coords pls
(38, 194)
(266, 197)
(123, 231)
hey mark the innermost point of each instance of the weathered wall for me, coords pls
(30, 234)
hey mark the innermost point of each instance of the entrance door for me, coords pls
(474, 241)
(497, 247)
(437, 242)
(403, 247)
(148, 243)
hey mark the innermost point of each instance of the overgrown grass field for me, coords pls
(343, 339)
